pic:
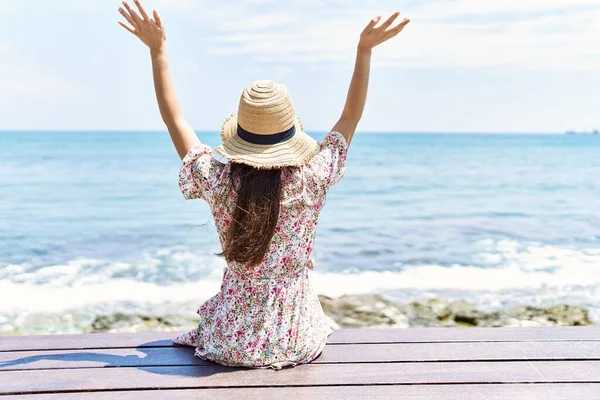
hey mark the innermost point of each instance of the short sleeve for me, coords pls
(199, 173)
(327, 167)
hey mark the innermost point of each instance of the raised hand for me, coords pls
(374, 35)
(148, 30)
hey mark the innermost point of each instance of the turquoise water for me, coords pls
(95, 219)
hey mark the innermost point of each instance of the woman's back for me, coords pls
(303, 193)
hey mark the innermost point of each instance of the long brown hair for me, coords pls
(255, 215)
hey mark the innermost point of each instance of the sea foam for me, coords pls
(177, 275)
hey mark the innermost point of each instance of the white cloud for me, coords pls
(569, 42)
(532, 34)
(445, 9)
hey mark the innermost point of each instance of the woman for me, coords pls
(265, 202)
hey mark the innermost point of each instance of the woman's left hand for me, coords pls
(148, 30)
(374, 35)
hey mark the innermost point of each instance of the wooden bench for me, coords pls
(417, 363)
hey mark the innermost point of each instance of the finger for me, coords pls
(136, 18)
(389, 21)
(128, 17)
(400, 26)
(142, 10)
(157, 19)
(130, 29)
(372, 24)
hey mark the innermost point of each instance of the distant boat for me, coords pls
(583, 132)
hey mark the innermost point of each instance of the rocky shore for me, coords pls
(371, 311)
(350, 311)
(362, 311)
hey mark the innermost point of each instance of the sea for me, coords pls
(94, 223)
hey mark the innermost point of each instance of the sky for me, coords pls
(459, 66)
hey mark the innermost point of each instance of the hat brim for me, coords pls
(293, 152)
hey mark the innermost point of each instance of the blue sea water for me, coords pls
(95, 221)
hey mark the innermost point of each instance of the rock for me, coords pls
(438, 311)
(466, 314)
(361, 311)
(354, 311)
(564, 314)
(109, 323)
(561, 314)
(120, 322)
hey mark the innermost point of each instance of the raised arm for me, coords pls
(152, 33)
(370, 37)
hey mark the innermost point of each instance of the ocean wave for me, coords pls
(165, 266)
(178, 275)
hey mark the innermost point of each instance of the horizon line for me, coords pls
(216, 132)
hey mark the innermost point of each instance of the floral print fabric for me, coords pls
(267, 316)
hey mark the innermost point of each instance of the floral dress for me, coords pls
(267, 316)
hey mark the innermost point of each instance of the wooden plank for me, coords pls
(339, 336)
(43, 381)
(433, 335)
(355, 353)
(85, 341)
(456, 351)
(553, 391)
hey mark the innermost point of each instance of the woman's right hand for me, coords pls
(148, 30)
(374, 35)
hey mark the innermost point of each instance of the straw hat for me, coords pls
(265, 132)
